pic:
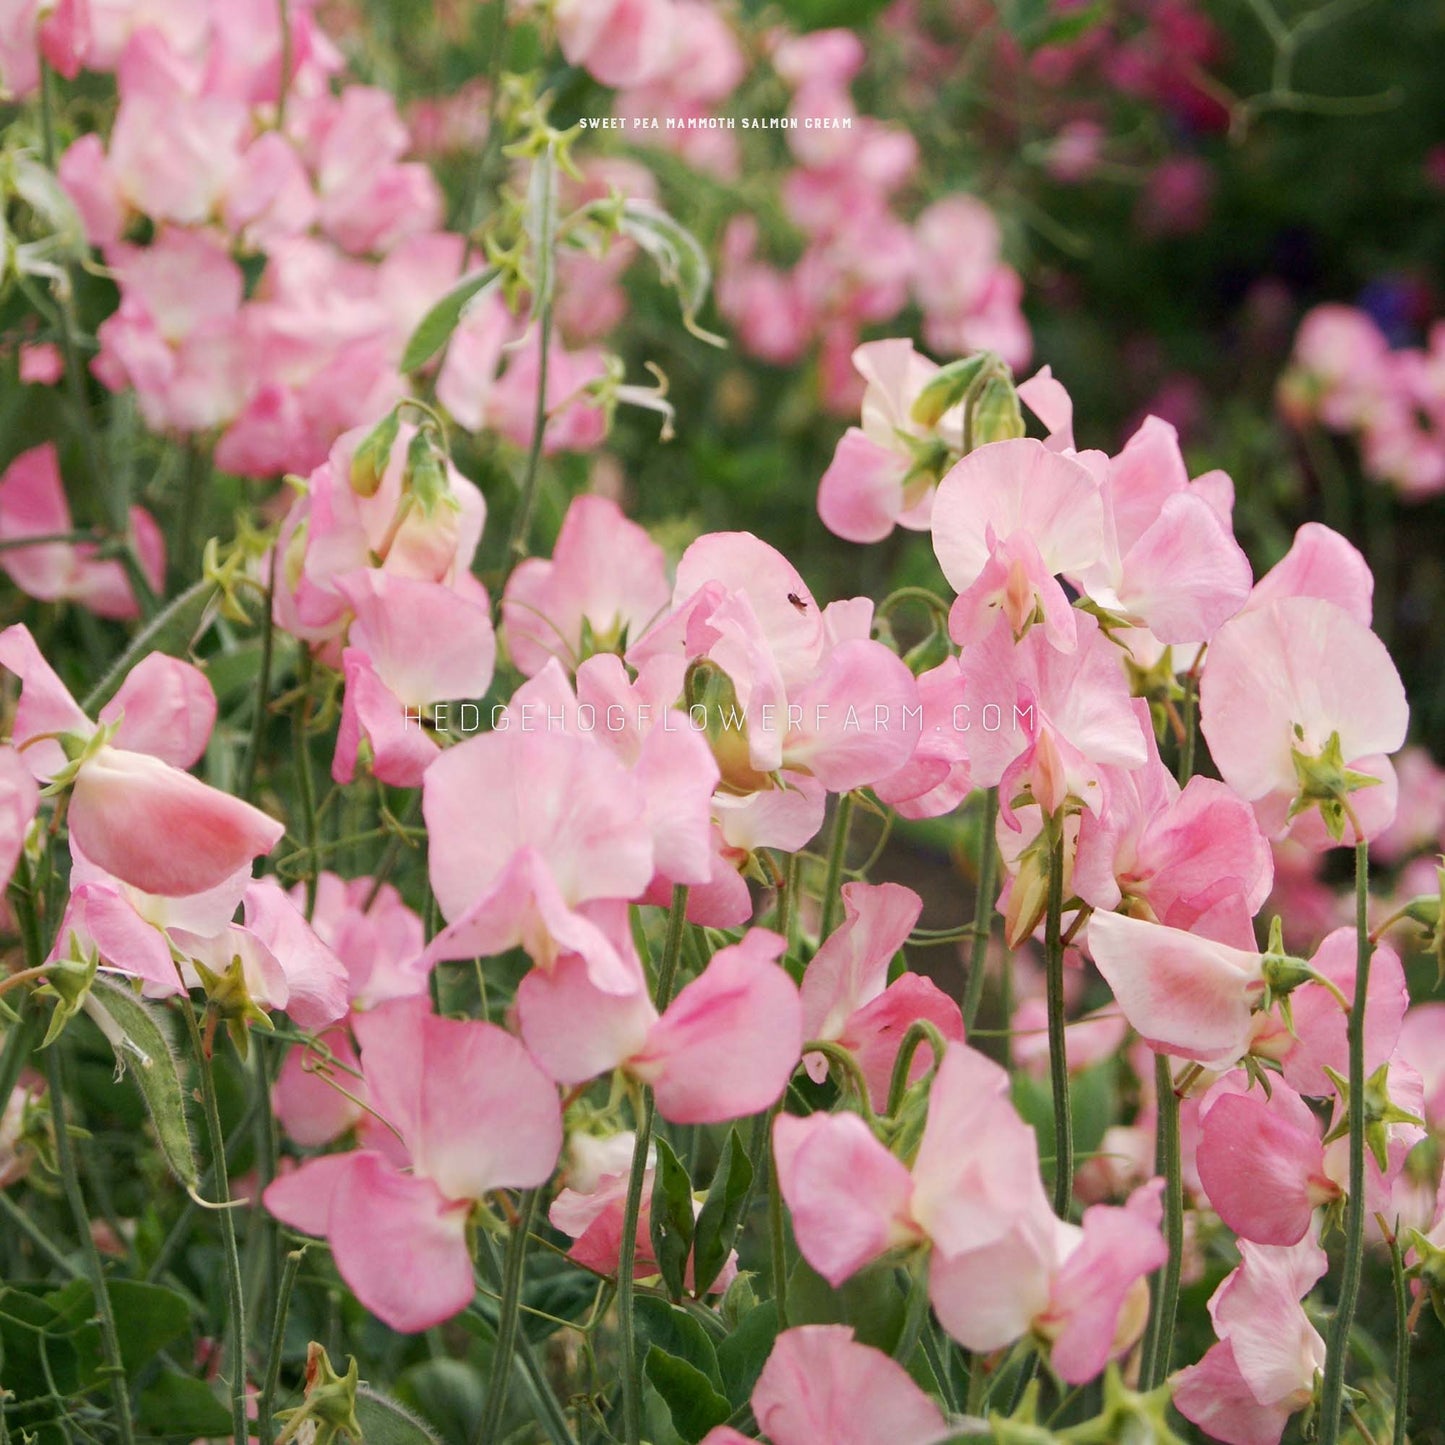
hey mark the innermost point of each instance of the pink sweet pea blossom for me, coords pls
(724, 1048)
(1049, 719)
(132, 809)
(567, 827)
(605, 583)
(846, 995)
(1299, 683)
(468, 1112)
(32, 504)
(1169, 561)
(1007, 519)
(821, 1384)
(1184, 993)
(411, 644)
(1263, 1369)
(1261, 1161)
(19, 802)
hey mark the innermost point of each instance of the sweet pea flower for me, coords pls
(1169, 562)
(1300, 703)
(1184, 993)
(468, 1113)
(938, 775)
(604, 584)
(132, 808)
(19, 802)
(848, 1000)
(411, 644)
(1320, 563)
(1174, 855)
(821, 1384)
(32, 504)
(567, 828)
(374, 934)
(1059, 718)
(1008, 517)
(1263, 1368)
(880, 476)
(724, 1048)
(1001, 1264)
(1261, 1161)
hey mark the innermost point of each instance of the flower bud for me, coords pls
(370, 459)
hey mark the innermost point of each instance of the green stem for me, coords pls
(37, 1236)
(1339, 1342)
(265, 1425)
(508, 1321)
(1058, 1048)
(1159, 1337)
(1191, 729)
(549, 1408)
(105, 1314)
(220, 1184)
(917, 1314)
(45, 539)
(777, 1231)
(983, 910)
(632, 1209)
(837, 853)
(1402, 1340)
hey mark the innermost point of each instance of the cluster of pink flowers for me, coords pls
(1344, 376)
(862, 262)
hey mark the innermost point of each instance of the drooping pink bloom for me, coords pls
(567, 827)
(1263, 1369)
(132, 809)
(1282, 681)
(605, 583)
(821, 1384)
(1261, 1161)
(724, 1048)
(411, 644)
(466, 1112)
(32, 504)
(846, 995)
(1184, 993)
(1047, 719)
(1009, 517)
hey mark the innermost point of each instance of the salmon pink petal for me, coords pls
(45, 705)
(1214, 1396)
(99, 918)
(19, 801)
(988, 1297)
(1321, 563)
(861, 493)
(315, 976)
(160, 829)
(874, 1032)
(574, 1029)
(302, 1196)
(846, 1194)
(820, 1384)
(312, 1110)
(729, 1042)
(400, 1245)
(167, 708)
(401, 748)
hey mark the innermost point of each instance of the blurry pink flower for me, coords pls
(19, 802)
(471, 1113)
(40, 364)
(33, 504)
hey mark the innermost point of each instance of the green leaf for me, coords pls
(676, 1332)
(722, 1212)
(143, 1051)
(176, 1404)
(385, 1422)
(147, 1317)
(870, 1301)
(743, 1354)
(436, 327)
(696, 1407)
(449, 1394)
(680, 259)
(672, 1220)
